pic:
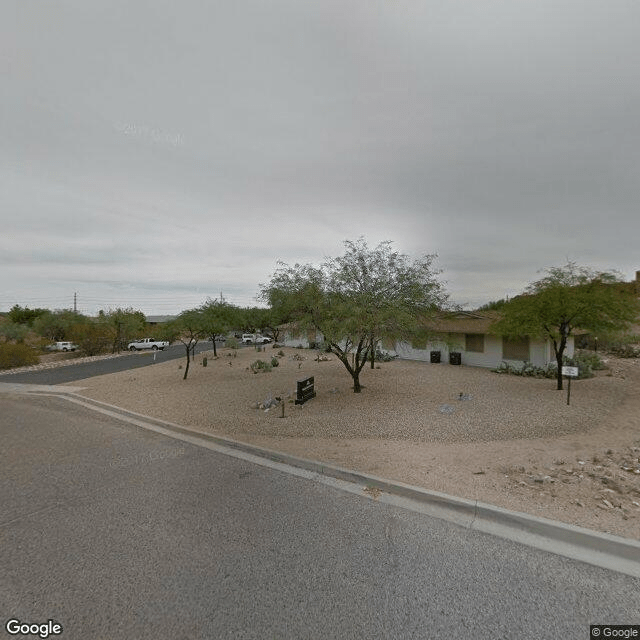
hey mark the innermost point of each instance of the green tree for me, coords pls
(494, 305)
(568, 298)
(57, 325)
(91, 336)
(122, 325)
(189, 327)
(252, 319)
(12, 331)
(261, 319)
(24, 315)
(218, 318)
(357, 299)
(169, 331)
(272, 322)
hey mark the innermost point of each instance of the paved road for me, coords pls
(71, 373)
(117, 532)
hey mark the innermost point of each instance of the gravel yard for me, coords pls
(511, 441)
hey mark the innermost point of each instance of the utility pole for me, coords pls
(75, 302)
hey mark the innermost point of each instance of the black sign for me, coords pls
(305, 390)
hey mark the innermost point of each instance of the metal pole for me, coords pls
(568, 389)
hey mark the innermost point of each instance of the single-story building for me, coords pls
(469, 334)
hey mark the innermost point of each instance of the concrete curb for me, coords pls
(600, 549)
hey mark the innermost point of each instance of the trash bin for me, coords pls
(455, 357)
(435, 356)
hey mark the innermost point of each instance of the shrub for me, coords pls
(381, 356)
(231, 343)
(586, 362)
(92, 338)
(16, 355)
(591, 359)
(275, 362)
(584, 365)
(527, 369)
(260, 366)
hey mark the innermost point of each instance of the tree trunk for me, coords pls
(559, 355)
(358, 360)
(186, 369)
(373, 355)
(215, 355)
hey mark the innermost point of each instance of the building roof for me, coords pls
(159, 319)
(463, 322)
(458, 322)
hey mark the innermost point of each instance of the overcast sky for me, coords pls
(155, 153)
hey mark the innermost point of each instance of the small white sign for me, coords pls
(570, 372)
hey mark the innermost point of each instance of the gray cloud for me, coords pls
(164, 152)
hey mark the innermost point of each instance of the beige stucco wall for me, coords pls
(540, 351)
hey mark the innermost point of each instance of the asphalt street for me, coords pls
(116, 532)
(80, 371)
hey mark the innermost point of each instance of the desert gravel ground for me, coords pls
(510, 441)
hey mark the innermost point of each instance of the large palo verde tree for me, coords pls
(569, 298)
(357, 299)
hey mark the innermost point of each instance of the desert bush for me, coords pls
(260, 366)
(382, 356)
(586, 362)
(14, 331)
(527, 370)
(585, 369)
(589, 358)
(16, 355)
(275, 362)
(91, 337)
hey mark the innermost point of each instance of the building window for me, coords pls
(515, 348)
(474, 342)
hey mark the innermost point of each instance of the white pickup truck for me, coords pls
(147, 343)
(251, 338)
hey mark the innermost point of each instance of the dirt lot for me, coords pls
(469, 432)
